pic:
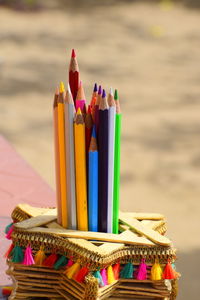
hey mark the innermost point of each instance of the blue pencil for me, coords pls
(93, 183)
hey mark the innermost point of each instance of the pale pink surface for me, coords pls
(19, 183)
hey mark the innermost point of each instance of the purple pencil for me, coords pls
(103, 163)
(96, 110)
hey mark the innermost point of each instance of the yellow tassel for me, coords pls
(40, 256)
(110, 275)
(71, 271)
(156, 271)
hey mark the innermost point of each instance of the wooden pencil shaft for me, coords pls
(57, 165)
(93, 191)
(80, 169)
(116, 188)
(70, 164)
(111, 141)
(103, 169)
(61, 139)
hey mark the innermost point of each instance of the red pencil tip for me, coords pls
(73, 53)
(89, 109)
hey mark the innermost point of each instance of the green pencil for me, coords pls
(116, 188)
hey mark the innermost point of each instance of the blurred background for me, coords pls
(150, 52)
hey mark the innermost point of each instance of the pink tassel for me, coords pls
(28, 257)
(9, 233)
(70, 263)
(104, 276)
(142, 271)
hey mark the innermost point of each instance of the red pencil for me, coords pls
(73, 75)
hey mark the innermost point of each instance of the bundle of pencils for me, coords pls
(87, 155)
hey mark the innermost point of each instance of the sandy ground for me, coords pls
(150, 52)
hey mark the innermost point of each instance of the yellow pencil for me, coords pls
(80, 168)
(61, 141)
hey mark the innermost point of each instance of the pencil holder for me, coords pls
(45, 260)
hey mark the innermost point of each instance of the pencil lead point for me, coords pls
(62, 87)
(111, 91)
(95, 88)
(94, 132)
(73, 53)
(104, 94)
(79, 111)
(68, 88)
(99, 90)
(116, 95)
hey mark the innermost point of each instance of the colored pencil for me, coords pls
(70, 167)
(96, 109)
(80, 169)
(61, 141)
(88, 128)
(116, 190)
(111, 140)
(94, 94)
(57, 159)
(80, 99)
(103, 163)
(93, 183)
(73, 75)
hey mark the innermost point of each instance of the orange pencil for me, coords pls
(57, 159)
(61, 141)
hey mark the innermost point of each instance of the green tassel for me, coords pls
(61, 262)
(127, 271)
(97, 275)
(8, 228)
(17, 254)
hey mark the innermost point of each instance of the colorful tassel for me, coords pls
(71, 271)
(61, 262)
(28, 257)
(40, 256)
(110, 275)
(80, 276)
(156, 271)
(8, 228)
(70, 262)
(127, 271)
(17, 254)
(9, 251)
(97, 275)
(142, 271)
(50, 260)
(104, 276)
(9, 233)
(116, 270)
(169, 272)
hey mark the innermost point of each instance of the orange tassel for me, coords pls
(169, 272)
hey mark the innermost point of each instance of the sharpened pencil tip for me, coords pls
(95, 88)
(116, 95)
(94, 132)
(62, 87)
(73, 53)
(99, 90)
(79, 111)
(68, 88)
(111, 91)
(57, 91)
(89, 109)
(104, 94)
